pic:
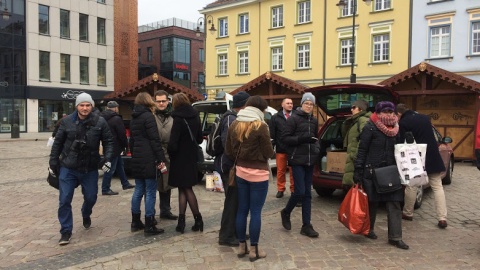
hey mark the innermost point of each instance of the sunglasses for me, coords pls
(354, 107)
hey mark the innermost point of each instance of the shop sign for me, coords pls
(181, 66)
(71, 94)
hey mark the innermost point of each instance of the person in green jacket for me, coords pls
(351, 129)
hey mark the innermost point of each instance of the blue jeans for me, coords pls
(149, 188)
(68, 180)
(117, 166)
(251, 198)
(302, 193)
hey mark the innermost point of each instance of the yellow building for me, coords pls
(303, 40)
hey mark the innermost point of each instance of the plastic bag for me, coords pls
(410, 160)
(218, 183)
(50, 141)
(353, 212)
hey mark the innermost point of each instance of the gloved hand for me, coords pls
(358, 176)
(307, 139)
(53, 170)
(106, 167)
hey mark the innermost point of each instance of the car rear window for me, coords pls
(337, 102)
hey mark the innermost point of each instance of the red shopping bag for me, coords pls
(353, 211)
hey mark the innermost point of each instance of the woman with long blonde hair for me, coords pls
(248, 142)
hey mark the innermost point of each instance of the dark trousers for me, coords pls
(165, 202)
(227, 226)
(394, 218)
(302, 192)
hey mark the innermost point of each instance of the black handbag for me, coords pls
(386, 179)
(200, 156)
(53, 181)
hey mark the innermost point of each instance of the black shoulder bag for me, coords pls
(200, 157)
(386, 179)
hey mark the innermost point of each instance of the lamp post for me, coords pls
(341, 5)
(209, 20)
(4, 12)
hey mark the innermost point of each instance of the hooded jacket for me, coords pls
(115, 122)
(277, 125)
(222, 162)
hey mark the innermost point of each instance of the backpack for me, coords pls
(214, 139)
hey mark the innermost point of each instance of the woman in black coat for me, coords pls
(184, 139)
(147, 158)
(375, 150)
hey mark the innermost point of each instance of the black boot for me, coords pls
(181, 224)
(137, 224)
(198, 223)
(150, 228)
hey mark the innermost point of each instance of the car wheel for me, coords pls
(447, 180)
(324, 192)
(418, 198)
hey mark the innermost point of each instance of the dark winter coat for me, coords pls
(222, 163)
(277, 125)
(255, 151)
(82, 155)
(301, 124)
(376, 150)
(182, 149)
(421, 128)
(115, 122)
(147, 151)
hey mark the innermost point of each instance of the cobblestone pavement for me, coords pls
(29, 229)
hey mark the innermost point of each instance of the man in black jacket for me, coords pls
(75, 159)
(120, 142)
(277, 125)
(421, 128)
(227, 235)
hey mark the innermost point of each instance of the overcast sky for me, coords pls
(156, 10)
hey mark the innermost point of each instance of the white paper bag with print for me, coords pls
(209, 181)
(217, 181)
(410, 160)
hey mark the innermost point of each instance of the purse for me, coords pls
(386, 179)
(200, 156)
(353, 212)
(53, 181)
(233, 170)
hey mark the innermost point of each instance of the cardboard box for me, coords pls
(336, 161)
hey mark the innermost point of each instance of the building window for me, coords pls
(303, 52)
(44, 66)
(348, 9)
(382, 4)
(476, 38)
(64, 68)
(277, 58)
(43, 20)
(149, 54)
(201, 55)
(440, 41)
(243, 62)
(83, 22)
(64, 23)
(381, 48)
(84, 78)
(101, 38)
(102, 72)
(277, 17)
(243, 24)
(223, 24)
(222, 64)
(303, 12)
(346, 52)
(101, 1)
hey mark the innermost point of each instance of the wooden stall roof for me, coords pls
(151, 84)
(277, 79)
(433, 71)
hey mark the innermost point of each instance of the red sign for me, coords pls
(181, 66)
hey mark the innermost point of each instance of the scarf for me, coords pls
(387, 124)
(250, 114)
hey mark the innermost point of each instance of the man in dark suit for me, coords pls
(420, 127)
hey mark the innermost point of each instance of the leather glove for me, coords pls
(307, 139)
(53, 170)
(106, 167)
(358, 176)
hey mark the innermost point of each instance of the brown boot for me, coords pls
(242, 249)
(256, 253)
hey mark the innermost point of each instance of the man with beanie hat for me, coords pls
(300, 137)
(78, 142)
(351, 129)
(227, 233)
(117, 128)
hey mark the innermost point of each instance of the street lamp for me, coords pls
(342, 4)
(5, 13)
(209, 20)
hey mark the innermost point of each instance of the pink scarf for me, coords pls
(386, 123)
